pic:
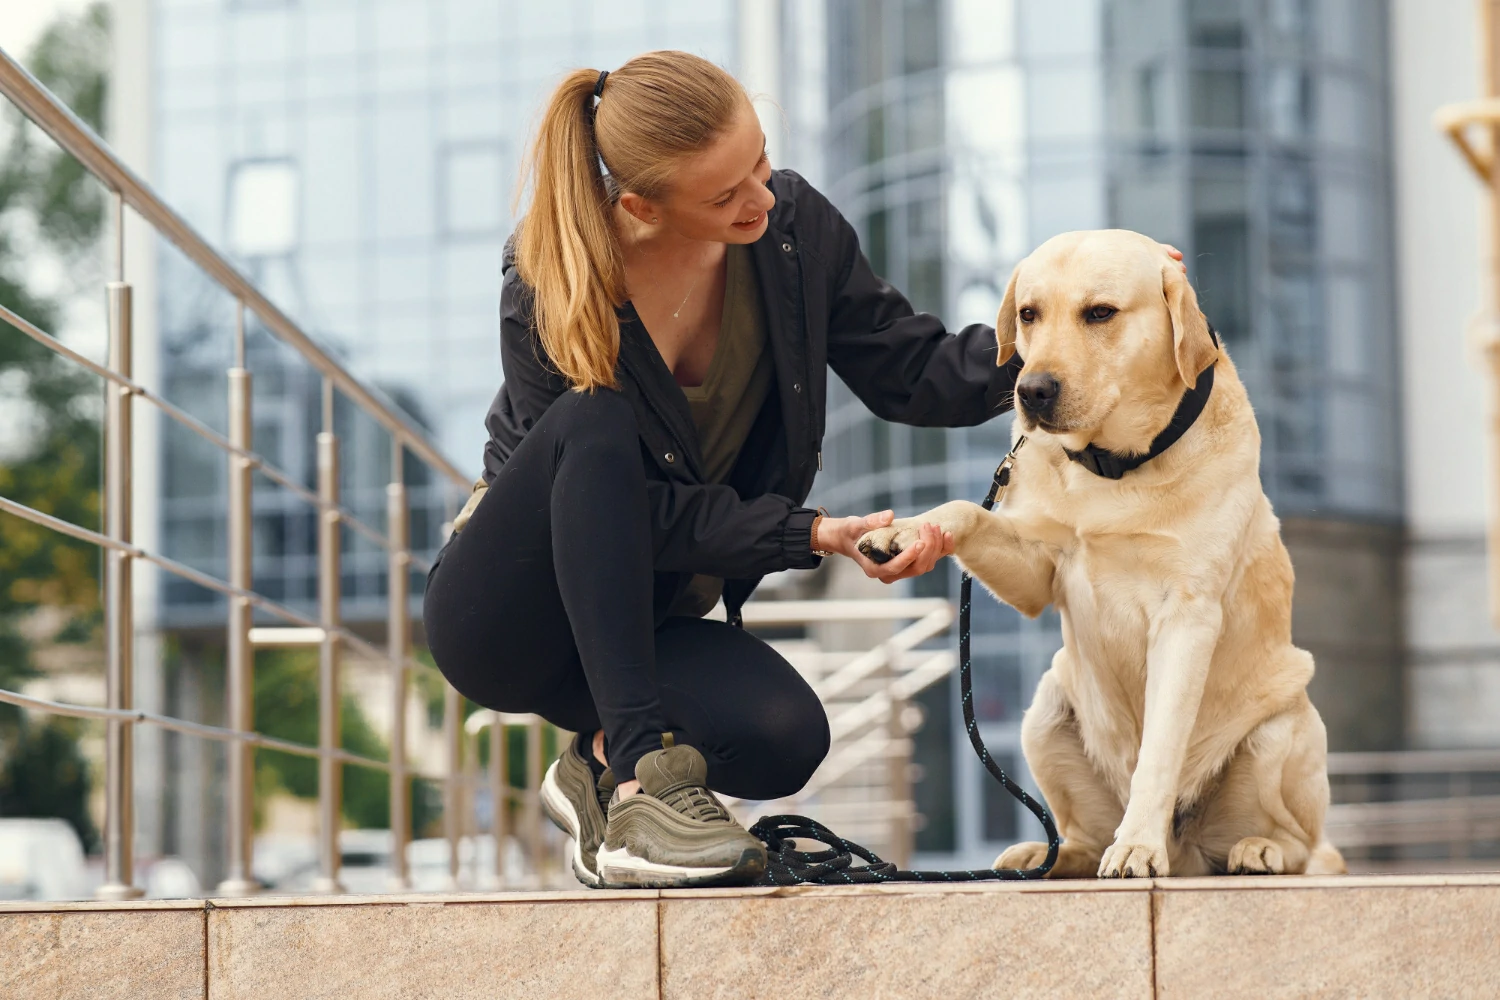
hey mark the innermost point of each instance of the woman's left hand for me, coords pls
(1176, 255)
(842, 535)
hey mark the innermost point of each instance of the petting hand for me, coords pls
(1176, 255)
(839, 534)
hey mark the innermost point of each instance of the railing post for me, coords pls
(398, 643)
(330, 591)
(499, 793)
(534, 832)
(453, 739)
(119, 612)
(241, 655)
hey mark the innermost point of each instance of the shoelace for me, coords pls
(695, 802)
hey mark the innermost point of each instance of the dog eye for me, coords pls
(1027, 314)
(1099, 314)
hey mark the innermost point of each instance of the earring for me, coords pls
(655, 219)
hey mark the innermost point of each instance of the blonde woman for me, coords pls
(670, 308)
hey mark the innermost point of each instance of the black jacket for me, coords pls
(824, 308)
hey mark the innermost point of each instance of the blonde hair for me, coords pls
(654, 110)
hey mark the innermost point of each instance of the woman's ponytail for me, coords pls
(653, 111)
(566, 246)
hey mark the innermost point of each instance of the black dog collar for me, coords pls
(1112, 465)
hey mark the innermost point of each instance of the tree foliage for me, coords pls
(286, 707)
(49, 206)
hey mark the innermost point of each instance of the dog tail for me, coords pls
(1326, 860)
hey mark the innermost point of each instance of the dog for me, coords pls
(1172, 733)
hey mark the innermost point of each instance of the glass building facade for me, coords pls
(357, 158)
(1248, 133)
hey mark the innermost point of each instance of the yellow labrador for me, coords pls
(1173, 733)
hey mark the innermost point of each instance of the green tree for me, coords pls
(49, 205)
(286, 707)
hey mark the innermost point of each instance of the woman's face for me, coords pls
(720, 194)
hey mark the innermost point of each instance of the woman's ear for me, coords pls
(1193, 346)
(642, 208)
(1005, 323)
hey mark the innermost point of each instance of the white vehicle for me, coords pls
(41, 859)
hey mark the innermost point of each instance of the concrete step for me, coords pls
(1367, 936)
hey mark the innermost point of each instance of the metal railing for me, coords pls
(863, 788)
(326, 631)
(1410, 808)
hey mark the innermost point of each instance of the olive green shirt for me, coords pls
(733, 391)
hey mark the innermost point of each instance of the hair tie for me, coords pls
(599, 87)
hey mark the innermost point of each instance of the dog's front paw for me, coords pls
(1023, 856)
(1134, 860)
(884, 544)
(1256, 856)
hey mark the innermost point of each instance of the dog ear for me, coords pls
(1192, 344)
(1005, 323)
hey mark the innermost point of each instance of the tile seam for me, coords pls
(204, 911)
(1151, 917)
(660, 951)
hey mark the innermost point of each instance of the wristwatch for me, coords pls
(814, 539)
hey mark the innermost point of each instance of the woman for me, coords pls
(666, 326)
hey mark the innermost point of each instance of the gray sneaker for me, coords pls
(675, 832)
(573, 801)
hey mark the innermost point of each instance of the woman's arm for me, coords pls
(530, 383)
(904, 365)
(697, 528)
(708, 529)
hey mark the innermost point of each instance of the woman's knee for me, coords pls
(778, 750)
(603, 416)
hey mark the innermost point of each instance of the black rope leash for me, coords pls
(786, 865)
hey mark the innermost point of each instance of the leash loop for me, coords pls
(788, 865)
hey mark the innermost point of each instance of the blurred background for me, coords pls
(357, 159)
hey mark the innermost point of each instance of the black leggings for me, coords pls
(545, 603)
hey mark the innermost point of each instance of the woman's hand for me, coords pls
(1176, 255)
(841, 534)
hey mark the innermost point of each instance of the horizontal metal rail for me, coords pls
(187, 728)
(199, 577)
(1366, 763)
(74, 136)
(191, 422)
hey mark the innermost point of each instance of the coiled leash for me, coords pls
(835, 866)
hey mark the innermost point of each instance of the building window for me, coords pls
(264, 208)
(471, 189)
(1222, 250)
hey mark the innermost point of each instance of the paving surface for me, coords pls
(1354, 936)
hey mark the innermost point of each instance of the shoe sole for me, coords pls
(559, 809)
(621, 869)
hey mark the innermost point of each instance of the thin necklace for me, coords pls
(691, 289)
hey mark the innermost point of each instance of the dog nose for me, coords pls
(1038, 393)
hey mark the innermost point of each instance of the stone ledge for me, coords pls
(1402, 935)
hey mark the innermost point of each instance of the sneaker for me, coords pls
(675, 832)
(576, 804)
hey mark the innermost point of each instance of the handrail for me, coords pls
(74, 136)
(120, 552)
(192, 423)
(176, 725)
(202, 579)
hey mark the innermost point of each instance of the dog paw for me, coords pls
(1073, 860)
(1126, 860)
(1023, 856)
(1256, 856)
(884, 544)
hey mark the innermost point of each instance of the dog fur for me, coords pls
(1173, 733)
